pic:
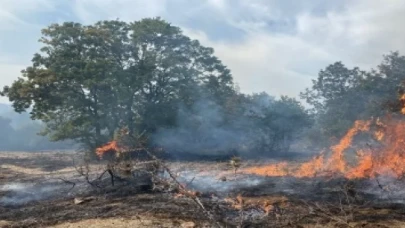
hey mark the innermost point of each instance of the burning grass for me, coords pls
(241, 199)
(327, 190)
(387, 158)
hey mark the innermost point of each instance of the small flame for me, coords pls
(279, 169)
(110, 147)
(403, 101)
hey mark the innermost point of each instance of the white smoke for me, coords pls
(20, 193)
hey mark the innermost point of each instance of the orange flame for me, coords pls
(388, 159)
(117, 149)
(110, 147)
(402, 99)
(279, 169)
(335, 164)
(311, 168)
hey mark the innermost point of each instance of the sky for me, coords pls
(272, 46)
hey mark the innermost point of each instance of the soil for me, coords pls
(36, 190)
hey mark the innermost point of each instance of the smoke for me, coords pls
(200, 129)
(22, 193)
(257, 125)
(209, 182)
(19, 133)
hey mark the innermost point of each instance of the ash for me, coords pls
(20, 193)
(381, 190)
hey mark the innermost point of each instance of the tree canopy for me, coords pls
(89, 80)
(341, 95)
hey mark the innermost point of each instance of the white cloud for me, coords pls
(281, 45)
(90, 11)
(357, 33)
(262, 62)
(12, 13)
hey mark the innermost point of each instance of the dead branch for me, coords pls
(183, 190)
(324, 212)
(190, 182)
(68, 182)
(383, 189)
(85, 174)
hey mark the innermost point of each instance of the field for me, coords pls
(45, 190)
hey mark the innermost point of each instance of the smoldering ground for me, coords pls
(18, 193)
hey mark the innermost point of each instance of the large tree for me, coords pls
(89, 80)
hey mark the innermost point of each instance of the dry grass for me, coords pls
(140, 221)
(125, 208)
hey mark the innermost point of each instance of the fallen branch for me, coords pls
(324, 212)
(183, 190)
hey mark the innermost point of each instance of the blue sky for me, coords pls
(272, 46)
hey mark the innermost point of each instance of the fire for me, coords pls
(279, 169)
(312, 167)
(403, 106)
(337, 162)
(109, 147)
(113, 147)
(387, 160)
(387, 157)
(316, 166)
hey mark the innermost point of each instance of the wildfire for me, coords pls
(109, 147)
(403, 102)
(279, 169)
(388, 158)
(112, 147)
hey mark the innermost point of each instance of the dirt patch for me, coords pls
(139, 221)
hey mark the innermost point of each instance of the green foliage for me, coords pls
(276, 123)
(340, 95)
(88, 81)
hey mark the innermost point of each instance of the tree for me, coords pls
(88, 81)
(340, 95)
(274, 123)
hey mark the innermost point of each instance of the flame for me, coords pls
(311, 168)
(388, 158)
(316, 166)
(337, 163)
(402, 99)
(107, 148)
(279, 169)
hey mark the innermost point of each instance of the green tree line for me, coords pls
(88, 81)
(340, 95)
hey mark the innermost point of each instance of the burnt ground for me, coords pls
(36, 191)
